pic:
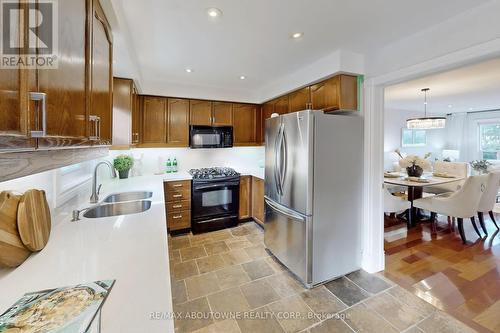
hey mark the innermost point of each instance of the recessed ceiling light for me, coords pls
(470, 109)
(214, 12)
(297, 35)
(243, 77)
(450, 106)
(189, 70)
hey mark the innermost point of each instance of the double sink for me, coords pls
(121, 204)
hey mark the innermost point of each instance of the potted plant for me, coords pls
(480, 166)
(123, 164)
(414, 164)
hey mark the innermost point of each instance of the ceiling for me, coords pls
(470, 88)
(157, 40)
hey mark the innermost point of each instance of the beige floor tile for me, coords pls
(257, 252)
(202, 285)
(275, 264)
(185, 324)
(227, 302)
(226, 326)
(255, 238)
(179, 242)
(174, 255)
(179, 294)
(221, 235)
(440, 322)
(259, 293)
(190, 253)
(210, 263)
(240, 231)
(322, 301)
(253, 228)
(361, 318)
(398, 314)
(184, 270)
(303, 316)
(285, 285)
(405, 297)
(216, 248)
(238, 243)
(259, 321)
(232, 276)
(414, 330)
(331, 326)
(201, 239)
(258, 269)
(236, 257)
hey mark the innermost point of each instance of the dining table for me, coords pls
(416, 187)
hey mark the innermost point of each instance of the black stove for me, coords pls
(214, 199)
(213, 173)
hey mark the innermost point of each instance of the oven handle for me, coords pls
(218, 219)
(206, 187)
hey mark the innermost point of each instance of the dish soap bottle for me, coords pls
(174, 165)
(169, 166)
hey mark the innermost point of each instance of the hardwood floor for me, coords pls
(463, 280)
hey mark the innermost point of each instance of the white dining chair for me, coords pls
(462, 204)
(394, 204)
(488, 199)
(456, 169)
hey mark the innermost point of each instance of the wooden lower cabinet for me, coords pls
(258, 200)
(245, 197)
(178, 204)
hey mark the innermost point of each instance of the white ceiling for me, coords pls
(470, 88)
(158, 39)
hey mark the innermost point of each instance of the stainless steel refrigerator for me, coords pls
(313, 193)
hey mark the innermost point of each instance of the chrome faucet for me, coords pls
(94, 198)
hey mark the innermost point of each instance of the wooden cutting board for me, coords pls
(33, 220)
(12, 250)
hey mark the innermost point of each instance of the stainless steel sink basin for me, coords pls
(120, 208)
(128, 196)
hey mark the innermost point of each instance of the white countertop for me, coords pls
(130, 248)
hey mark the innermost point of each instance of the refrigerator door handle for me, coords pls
(284, 153)
(277, 157)
(284, 211)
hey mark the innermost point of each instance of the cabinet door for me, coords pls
(267, 110)
(65, 87)
(245, 197)
(123, 102)
(154, 120)
(178, 122)
(300, 100)
(14, 97)
(101, 88)
(200, 113)
(136, 117)
(244, 124)
(325, 95)
(348, 92)
(281, 105)
(222, 114)
(258, 200)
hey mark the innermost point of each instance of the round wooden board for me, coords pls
(33, 220)
(12, 250)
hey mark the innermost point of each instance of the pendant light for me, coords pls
(426, 122)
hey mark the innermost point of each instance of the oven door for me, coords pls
(215, 198)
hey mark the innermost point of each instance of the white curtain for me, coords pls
(456, 126)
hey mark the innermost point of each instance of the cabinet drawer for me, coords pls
(179, 220)
(176, 206)
(184, 194)
(178, 186)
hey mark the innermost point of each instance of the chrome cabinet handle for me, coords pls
(42, 97)
(97, 127)
(177, 185)
(177, 206)
(177, 195)
(176, 217)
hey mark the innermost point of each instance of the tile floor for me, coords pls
(229, 273)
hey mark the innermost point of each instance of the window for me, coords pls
(489, 140)
(413, 138)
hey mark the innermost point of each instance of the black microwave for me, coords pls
(210, 137)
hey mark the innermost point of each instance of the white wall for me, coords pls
(395, 120)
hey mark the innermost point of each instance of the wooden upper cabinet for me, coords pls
(222, 114)
(267, 110)
(300, 100)
(244, 124)
(200, 112)
(65, 87)
(154, 120)
(101, 76)
(136, 117)
(281, 105)
(338, 93)
(123, 104)
(178, 122)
